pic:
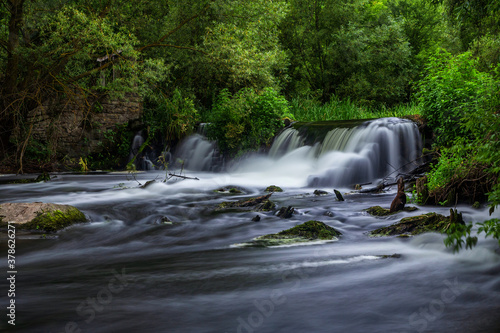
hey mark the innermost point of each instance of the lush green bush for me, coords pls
(451, 92)
(246, 120)
(171, 118)
(462, 105)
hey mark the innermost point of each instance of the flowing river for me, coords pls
(129, 271)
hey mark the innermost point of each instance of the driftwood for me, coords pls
(400, 200)
(183, 177)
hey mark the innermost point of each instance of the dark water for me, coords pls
(124, 272)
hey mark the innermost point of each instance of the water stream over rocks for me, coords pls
(130, 271)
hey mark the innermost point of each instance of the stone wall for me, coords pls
(80, 126)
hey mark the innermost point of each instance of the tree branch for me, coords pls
(183, 23)
(174, 46)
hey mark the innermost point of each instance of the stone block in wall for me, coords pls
(73, 128)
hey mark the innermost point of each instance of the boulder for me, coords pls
(380, 211)
(305, 232)
(273, 188)
(45, 217)
(430, 222)
(261, 203)
(285, 212)
(320, 192)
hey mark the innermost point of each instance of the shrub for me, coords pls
(246, 120)
(452, 90)
(172, 118)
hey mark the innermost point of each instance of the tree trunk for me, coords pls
(9, 84)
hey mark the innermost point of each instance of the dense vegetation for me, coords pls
(246, 65)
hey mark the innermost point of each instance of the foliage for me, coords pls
(462, 103)
(311, 109)
(349, 49)
(247, 119)
(171, 118)
(454, 89)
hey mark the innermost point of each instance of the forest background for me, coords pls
(244, 66)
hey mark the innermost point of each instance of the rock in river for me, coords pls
(305, 232)
(44, 217)
(414, 225)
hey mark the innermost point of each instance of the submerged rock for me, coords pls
(229, 190)
(379, 211)
(430, 222)
(320, 192)
(261, 203)
(273, 188)
(285, 212)
(44, 217)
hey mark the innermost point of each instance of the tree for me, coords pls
(50, 51)
(351, 49)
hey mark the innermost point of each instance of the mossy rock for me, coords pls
(320, 192)
(310, 230)
(430, 222)
(228, 190)
(43, 217)
(379, 211)
(261, 203)
(305, 232)
(273, 188)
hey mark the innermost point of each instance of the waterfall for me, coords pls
(319, 154)
(346, 155)
(197, 153)
(142, 160)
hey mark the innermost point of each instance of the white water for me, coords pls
(192, 276)
(345, 157)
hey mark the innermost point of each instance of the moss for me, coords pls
(430, 222)
(273, 188)
(55, 220)
(320, 192)
(261, 203)
(229, 190)
(476, 205)
(379, 211)
(310, 230)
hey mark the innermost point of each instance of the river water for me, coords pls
(127, 271)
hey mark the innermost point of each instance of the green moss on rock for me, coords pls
(305, 232)
(55, 220)
(430, 222)
(273, 188)
(379, 211)
(310, 230)
(261, 203)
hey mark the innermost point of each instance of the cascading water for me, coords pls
(341, 153)
(142, 161)
(197, 153)
(321, 154)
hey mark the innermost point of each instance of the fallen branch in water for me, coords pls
(183, 177)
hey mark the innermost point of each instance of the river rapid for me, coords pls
(128, 271)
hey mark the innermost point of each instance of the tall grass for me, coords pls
(305, 109)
